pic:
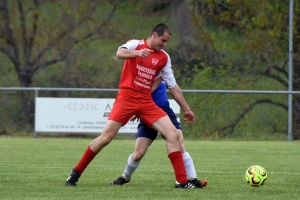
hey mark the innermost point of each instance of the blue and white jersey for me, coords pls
(159, 95)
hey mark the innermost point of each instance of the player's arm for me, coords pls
(124, 53)
(176, 93)
(179, 98)
(128, 50)
(169, 79)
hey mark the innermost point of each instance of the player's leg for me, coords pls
(187, 159)
(169, 131)
(155, 117)
(189, 165)
(109, 132)
(120, 114)
(133, 161)
(171, 134)
(145, 137)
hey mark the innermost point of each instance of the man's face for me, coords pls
(159, 42)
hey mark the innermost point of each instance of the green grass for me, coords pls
(37, 169)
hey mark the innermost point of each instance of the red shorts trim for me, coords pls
(129, 103)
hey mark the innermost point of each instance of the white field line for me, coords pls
(198, 171)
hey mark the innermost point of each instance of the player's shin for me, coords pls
(87, 157)
(178, 166)
(189, 166)
(130, 168)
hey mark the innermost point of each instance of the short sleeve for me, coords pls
(167, 74)
(131, 44)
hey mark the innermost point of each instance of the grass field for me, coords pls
(37, 169)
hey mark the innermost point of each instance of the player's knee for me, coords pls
(137, 156)
(177, 135)
(106, 139)
(172, 136)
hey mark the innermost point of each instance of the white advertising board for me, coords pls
(79, 115)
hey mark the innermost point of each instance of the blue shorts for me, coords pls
(150, 133)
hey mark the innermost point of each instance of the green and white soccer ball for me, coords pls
(256, 175)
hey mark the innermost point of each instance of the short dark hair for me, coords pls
(160, 29)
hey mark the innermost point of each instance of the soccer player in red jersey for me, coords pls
(144, 59)
(146, 135)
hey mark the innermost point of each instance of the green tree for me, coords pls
(261, 27)
(36, 34)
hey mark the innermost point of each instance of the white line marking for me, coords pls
(163, 170)
(198, 171)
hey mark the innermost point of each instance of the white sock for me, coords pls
(189, 165)
(130, 168)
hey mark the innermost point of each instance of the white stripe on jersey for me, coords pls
(167, 73)
(131, 44)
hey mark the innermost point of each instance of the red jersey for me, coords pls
(139, 73)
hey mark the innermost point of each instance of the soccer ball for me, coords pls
(256, 175)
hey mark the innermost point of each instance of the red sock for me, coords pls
(178, 166)
(87, 157)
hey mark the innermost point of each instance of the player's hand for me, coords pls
(189, 117)
(144, 53)
(134, 118)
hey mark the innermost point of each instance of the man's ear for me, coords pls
(154, 34)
